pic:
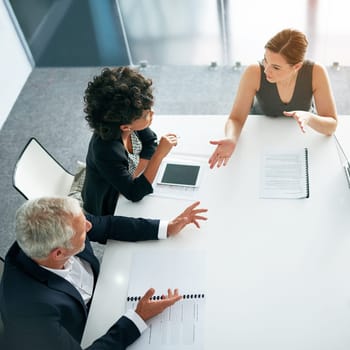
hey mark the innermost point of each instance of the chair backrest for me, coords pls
(38, 174)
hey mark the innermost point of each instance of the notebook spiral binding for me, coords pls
(307, 173)
(159, 297)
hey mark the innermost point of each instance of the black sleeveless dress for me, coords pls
(268, 102)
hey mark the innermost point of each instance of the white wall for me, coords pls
(14, 64)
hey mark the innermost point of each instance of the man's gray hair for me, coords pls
(44, 224)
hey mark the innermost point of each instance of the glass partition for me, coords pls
(175, 32)
(172, 32)
(230, 31)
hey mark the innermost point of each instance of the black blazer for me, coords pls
(107, 173)
(43, 311)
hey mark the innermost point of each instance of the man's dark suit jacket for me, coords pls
(107, 173)
(42, 311)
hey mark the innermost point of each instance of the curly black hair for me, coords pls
(116, 97)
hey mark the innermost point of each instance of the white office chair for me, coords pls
(38, 174)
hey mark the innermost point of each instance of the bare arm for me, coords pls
(325, 121)
(166, 143)
(141, 167)
(248, 86)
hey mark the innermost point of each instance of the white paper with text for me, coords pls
(285, 174)
(181, 325)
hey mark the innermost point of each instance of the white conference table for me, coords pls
(277, 271)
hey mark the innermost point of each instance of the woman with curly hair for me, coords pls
(123, 155)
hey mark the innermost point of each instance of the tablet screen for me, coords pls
(180, 174)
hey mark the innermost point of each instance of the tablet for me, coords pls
(180, 174)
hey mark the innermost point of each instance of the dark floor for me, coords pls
(50, 108)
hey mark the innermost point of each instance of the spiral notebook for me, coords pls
(180, 326)
(285, 174)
